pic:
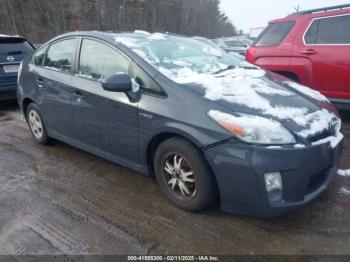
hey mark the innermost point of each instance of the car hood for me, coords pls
(301, 110)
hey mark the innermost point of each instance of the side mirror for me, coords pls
(117, 83)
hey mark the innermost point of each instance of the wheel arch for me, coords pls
(155, 142)
(26, 102)
(291, 75)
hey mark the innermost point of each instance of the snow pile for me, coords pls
(127, 41)
(344, 172)
(307, 91)
(142, 32)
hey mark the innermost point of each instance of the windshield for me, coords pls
(174, 53)
(220, 43)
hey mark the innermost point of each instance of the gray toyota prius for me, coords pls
(209, 127)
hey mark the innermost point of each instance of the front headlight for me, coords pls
(253, 129)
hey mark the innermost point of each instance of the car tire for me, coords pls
(174, 161)
(36, 124)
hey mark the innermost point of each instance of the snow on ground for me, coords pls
(344, 172)
(344, 190)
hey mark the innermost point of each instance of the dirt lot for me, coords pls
(60, 200)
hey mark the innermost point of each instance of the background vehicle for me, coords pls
(12, 51)
(189, 113)
(212, 43)
(234, 44)
(311, 47)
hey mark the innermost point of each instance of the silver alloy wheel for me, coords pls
(180, 176)
(35, 124)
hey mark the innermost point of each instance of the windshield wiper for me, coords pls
(230, 67)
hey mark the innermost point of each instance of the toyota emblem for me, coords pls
(10, 59)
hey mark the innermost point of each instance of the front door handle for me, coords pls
(78, 93)
(309, 52)
(79, 96)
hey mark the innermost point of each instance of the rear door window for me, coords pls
(311, 34)
(60, 55)
(98, 60)
(274, 34)
(334, 30)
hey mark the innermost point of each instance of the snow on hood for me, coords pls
(245, 87)
(307, 91)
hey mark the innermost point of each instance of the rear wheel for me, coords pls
(184, 176)
(36, 124)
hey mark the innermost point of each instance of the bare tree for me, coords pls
(39, 20)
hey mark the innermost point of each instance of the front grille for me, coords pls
(319, 136)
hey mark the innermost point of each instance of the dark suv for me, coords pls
(12, 51)
(311, 47)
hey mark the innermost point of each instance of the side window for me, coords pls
(60, 55)
(334, 30)
(39, 56)
(145, 81)
(274, 34)
(98, 60)
(311, 34)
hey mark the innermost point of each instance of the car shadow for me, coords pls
(9, 105)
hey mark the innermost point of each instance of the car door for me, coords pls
(104, 120)
(327, 46)
(53, 78)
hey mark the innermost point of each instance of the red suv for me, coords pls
(311, 47)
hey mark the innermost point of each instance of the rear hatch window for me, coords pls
(274, 34)
(14, 46)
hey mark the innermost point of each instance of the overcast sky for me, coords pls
(246, 14)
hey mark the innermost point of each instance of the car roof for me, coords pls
(316, 13)
(11, 37)
(113, 35)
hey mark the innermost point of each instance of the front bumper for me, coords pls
(239, 170)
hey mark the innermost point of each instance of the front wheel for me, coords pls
(36, 124)
(184, 176)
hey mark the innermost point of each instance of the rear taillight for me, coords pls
(250, 55)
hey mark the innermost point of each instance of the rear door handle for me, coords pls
(309, 52)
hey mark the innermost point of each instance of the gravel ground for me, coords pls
(61, 200)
